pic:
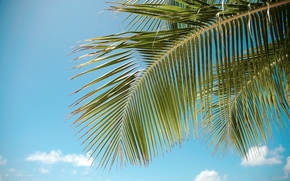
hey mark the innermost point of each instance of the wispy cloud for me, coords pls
(74, 172)
(209, 175)
(46, 158)
(56, 156)
(3, 161)
(258, 156)
(86, 172)
(286, 168)
(43, 170)
(12, 169)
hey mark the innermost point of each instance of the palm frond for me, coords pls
(225, 75)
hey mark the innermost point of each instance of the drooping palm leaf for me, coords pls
(221, 70)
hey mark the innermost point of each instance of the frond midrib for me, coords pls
(252, 79)
(217, 24)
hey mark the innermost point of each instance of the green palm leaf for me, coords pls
(220, 70)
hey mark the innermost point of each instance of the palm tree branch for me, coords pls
(139, 112)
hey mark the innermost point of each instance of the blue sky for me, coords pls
(36, 141)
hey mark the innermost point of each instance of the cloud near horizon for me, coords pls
(56, 156)
(209, 175)
(286, 168)
(258, 156)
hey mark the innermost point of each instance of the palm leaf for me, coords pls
(224, 75)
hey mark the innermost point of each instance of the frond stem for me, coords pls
(250, 81)
(217, 24)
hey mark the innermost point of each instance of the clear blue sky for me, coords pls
(36, 141)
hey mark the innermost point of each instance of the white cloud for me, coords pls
(286, 168)
(52, 157)
(278, 149)
(3, 161)
(258, 156)
(57, 156)
(78, 160)
(1, 179)
(209, 175)
(42, 170)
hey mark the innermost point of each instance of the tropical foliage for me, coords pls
(216, 69)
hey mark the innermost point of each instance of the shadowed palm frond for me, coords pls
(220, 70)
